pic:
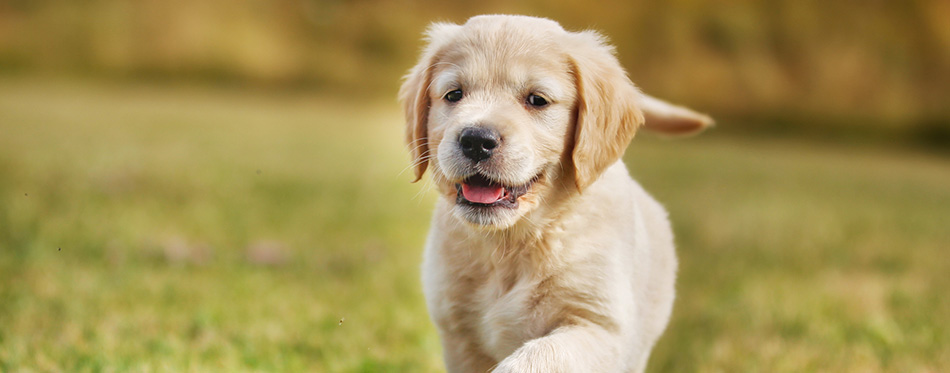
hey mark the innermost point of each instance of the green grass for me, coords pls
(191, 229)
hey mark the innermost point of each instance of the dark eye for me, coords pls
(537, 101)
(454, 96)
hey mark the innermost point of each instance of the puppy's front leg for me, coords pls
(578, 348)
(463, 356)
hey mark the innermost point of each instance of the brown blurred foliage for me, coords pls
(872, 63)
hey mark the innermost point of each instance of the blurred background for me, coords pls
(851, 66)
(221, 185)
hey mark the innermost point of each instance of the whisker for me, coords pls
(417, 162)
(427, 186)
(422, 141)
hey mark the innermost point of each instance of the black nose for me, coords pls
(478, 142)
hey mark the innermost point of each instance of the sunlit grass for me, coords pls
(189, 229)
(177, 228)
(798, 257)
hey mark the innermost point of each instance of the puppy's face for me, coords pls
(512, 110)
(497, 126)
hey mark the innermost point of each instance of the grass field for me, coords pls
(193, 229)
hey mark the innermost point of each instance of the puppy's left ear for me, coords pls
(608, 111)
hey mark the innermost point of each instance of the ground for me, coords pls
(178, 228)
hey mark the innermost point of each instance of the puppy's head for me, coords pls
(511, 110)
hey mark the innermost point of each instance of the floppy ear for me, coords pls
(414, 96)
(669, 119)
(608, 113)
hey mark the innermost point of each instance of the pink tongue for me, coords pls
(482, 194)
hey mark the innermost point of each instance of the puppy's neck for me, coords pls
(535, 239)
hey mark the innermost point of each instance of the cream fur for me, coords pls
(579, 277)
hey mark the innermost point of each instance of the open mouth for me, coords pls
(480, 191)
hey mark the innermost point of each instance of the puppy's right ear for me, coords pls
(414, 96)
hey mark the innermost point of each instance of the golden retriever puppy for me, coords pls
(543, 255)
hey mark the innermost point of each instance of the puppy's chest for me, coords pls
(507, 312)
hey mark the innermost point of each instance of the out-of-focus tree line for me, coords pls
(849, 64)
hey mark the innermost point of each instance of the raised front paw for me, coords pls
(510, 365)
(532, 357)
